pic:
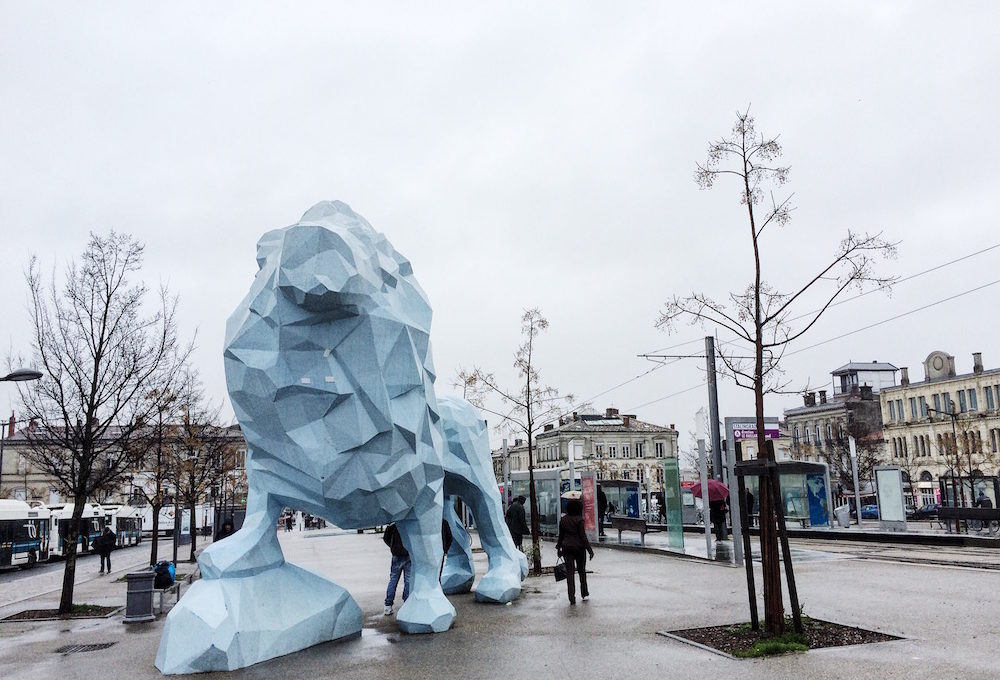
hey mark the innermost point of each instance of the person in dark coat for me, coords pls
(602, 509)
(401, 564)
(749, 500)
(574, 546)
(103, 545)
(163, 577)
(516, 521)
(717, 514)
(226, 530)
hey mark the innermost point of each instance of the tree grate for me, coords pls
(73, 649)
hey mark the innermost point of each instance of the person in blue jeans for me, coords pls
(400, 565)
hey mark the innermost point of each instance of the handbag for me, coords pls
(559, 571)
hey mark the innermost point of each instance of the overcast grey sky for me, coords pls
(521, 155)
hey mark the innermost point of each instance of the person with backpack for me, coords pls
(401, 564)
(164, 574)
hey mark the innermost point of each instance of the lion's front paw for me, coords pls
(430, 613)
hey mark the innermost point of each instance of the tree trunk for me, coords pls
(533, 502)
(194, 530)
(69, 573)
(156, 533)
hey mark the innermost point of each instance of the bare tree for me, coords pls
(761, 314)
(837, 453)
(156, 441)
(201, 450)
(99, 351)
(523, 409)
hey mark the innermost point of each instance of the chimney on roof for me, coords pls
(866, 392)
(575, 417)
(810, 398)
(904, 376)
(560, 421)
(548, 427)
(951, 367)
(977, 362)
(610, 412)
(10, 426)
(627, 420)
(822, 396)
(671, 426)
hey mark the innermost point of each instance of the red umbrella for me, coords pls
(717, 491)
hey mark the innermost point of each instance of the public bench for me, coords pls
(629, 524)
(174, 588)
(988, 516)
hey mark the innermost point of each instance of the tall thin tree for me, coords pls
(99, 349)
(523, 409)
(761, 314)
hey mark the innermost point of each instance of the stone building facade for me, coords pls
(614, 445)
(820, 429)
(924, 438)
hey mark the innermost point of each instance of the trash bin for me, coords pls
(139, 598)
(843, 513)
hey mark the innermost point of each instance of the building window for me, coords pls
(795, 436)
(640, 450)
(895, 448)
(994, 436)
(892, 410)
(599, 450)
(658, 447)
(899, 409)
(816, 435)
(962, 405)
(973, 402)
(990, 404)
(626, 474)
(913, 408)
(937, 402)
(612, 450)
(829, 432)
(923, 407)
(626, 451)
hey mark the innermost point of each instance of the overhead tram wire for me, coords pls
(894, 318)
(902, 280)
(858, 296)
(843, 335)
(845, 300)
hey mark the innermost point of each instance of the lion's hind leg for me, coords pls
(459, 572)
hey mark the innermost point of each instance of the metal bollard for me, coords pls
(139, 598)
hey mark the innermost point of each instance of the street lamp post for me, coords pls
(954, 438)
(18, 375)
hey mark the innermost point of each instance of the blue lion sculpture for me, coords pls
(328, 365)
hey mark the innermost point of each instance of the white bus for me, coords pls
(24, 533)
(203, 520)
(91, 526)
(126, 522)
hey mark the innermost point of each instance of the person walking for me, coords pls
(103, 545)
(717, 515)
(983, 501)
(401, 564)
(574, 546)
(516, 522)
